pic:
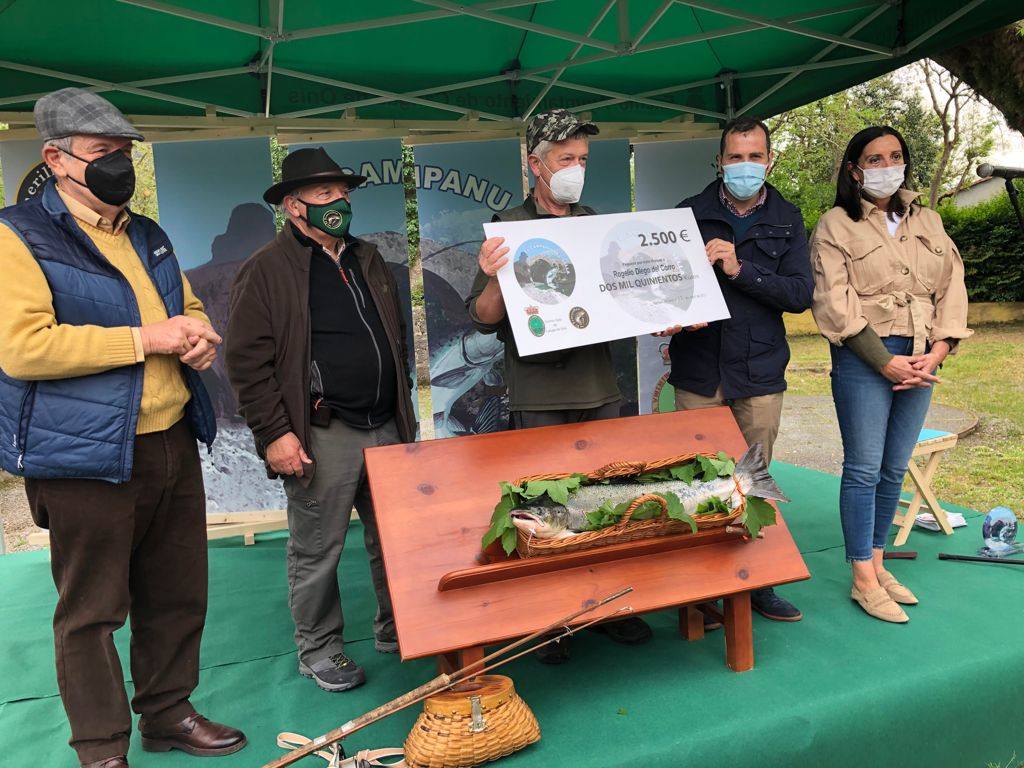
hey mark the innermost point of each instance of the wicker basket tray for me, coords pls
(626, 529)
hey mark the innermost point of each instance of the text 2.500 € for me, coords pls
(663, 238)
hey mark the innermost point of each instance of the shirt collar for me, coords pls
(906, 196)
(86, 214)
(311, 243)
(762, 196)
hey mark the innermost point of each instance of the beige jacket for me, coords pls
(907, 284)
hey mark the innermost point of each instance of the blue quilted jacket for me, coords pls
(84, 427)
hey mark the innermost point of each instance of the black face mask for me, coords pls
(110, 178)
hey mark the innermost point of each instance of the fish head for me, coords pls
(541, 522)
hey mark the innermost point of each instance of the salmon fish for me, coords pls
(557, 521)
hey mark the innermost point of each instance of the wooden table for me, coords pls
(434, 501)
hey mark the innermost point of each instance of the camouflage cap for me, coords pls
(555, 125)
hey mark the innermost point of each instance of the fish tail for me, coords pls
(753, 469)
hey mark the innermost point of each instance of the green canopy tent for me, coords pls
(315, 70)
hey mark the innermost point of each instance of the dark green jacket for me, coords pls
(582, 377)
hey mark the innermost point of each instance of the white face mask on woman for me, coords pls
(883, 182)
(566, 185)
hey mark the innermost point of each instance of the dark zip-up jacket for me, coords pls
(353, 371)
(268, 340)
(747, 354)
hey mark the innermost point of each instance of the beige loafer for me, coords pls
(896, 591)
(877, 603)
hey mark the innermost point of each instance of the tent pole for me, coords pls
(120, 87)
(407, 18)
(540, 29)
(203, 18)
(785, 26)
(279, 23)
(576, 51)
(814, 59)
(627, 97)
(651, 21)
(965, 9)
(388, 96)
(140, 83)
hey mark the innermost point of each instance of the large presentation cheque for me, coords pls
(584, 279)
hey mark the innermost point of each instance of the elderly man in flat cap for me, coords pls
(566, 386)
(100, 409)
(316, 354)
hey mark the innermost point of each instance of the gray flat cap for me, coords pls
(74, 111)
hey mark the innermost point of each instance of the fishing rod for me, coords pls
(973, 559)
(443, 682)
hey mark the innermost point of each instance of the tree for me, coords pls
(965, 135)
(993, 65)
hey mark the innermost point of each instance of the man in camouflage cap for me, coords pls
(570, 385)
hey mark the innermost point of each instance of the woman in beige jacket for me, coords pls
(890, 297)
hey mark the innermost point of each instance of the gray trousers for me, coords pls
(531, 419)
(318, 518)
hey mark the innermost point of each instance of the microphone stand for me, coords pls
(1011, 190)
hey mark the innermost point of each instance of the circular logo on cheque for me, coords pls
(536, 325)
(579, 317)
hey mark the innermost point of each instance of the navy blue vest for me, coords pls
(84, 427)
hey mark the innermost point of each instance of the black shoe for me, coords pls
(386, 642)
(337, 673)
(631, 631)
(773, 607)
(556, 652)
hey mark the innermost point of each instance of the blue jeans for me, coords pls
(880, 428)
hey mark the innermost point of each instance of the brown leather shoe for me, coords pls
(111, 762)
(195, 735)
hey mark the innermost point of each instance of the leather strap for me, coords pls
(365, 758)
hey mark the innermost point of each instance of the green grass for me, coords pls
(986, 378)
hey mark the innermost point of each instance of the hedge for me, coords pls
(992, 245)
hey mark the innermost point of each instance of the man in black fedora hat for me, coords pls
(316, 356)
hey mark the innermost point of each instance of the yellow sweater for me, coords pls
(33, 345)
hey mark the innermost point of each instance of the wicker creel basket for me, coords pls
(626, 529)
(480, 720)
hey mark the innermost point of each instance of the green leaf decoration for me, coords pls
(758, 514)
(654, 477)
(685, 472)
(508, 541)
(712, 506)
(556, 490)
(649, 510)
(677, 512)
(708, 468)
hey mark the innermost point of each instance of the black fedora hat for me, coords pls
(308, 166)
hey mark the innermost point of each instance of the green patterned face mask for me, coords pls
(332, 218)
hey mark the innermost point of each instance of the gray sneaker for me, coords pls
(337, 673)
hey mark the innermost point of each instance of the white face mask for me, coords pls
(566, 185)
(883, 182)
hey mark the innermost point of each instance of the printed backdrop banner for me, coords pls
(23, 169)
(665, 173)
(607, 191)
(378, 213)
(210, 195)
(459, 186)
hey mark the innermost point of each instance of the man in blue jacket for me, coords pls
(756, 241)
(101, 406)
